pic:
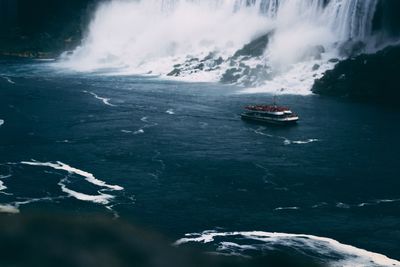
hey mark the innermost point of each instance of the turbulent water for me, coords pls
(177, 158)
(200, 40)
(109, 129)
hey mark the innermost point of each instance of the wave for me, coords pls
(342, 205)
(367, 203)
(66, 141)
(7, 175)
(8, 79)
(300, 142)
(2, 186)
(140, 131)
(106, 101)
(1, 122)
(326, 250)
(147, 125)
(101, 198)
(264, 45)
(170, 112)
(286, 208)
(286, 141)
(378, 201)
(107, 194)
(62, 166)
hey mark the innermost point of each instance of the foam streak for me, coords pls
(106, 101)
(62, 166)
(350, 256)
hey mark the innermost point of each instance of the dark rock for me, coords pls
(193, 59)
(255, 48)
(199, 67)
(372, 77)
(333, 60)
(43, 26)
(231, 76)
(218, 61)
(351, 48)
(174, 72)
(211, 55)
(316, 67)
(246, 70)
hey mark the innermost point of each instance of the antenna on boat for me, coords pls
(275, 95)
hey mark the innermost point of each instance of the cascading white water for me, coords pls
(136, 33)
(155, 36)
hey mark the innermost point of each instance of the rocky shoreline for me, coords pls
(367, 77)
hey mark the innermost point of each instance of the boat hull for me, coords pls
(267, 120)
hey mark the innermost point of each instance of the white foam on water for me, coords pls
(66, 141)
(350, 256)
(106, 101)
(260, 130)
(377, 202)
(342, 205)
(2, 185)
(148, 125)
(140, 131)
(286, 141)
(99, 199)
(8, 79)
(45, 59)
(287, 208)
(1, 122)
(380, 201)
(319, 205)
(300, 142)
(103, 195)
(6, 208)
(126, 131)
(170, 112)
(62, 166)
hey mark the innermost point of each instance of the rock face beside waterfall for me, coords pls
(372, 77)
(42, 28)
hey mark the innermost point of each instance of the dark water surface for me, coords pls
(187, 163)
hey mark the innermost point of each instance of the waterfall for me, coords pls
(160, 36)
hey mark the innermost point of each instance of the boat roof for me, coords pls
(268, 108)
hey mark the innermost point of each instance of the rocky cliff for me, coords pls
(373, 77)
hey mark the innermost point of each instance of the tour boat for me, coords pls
(272, 114)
